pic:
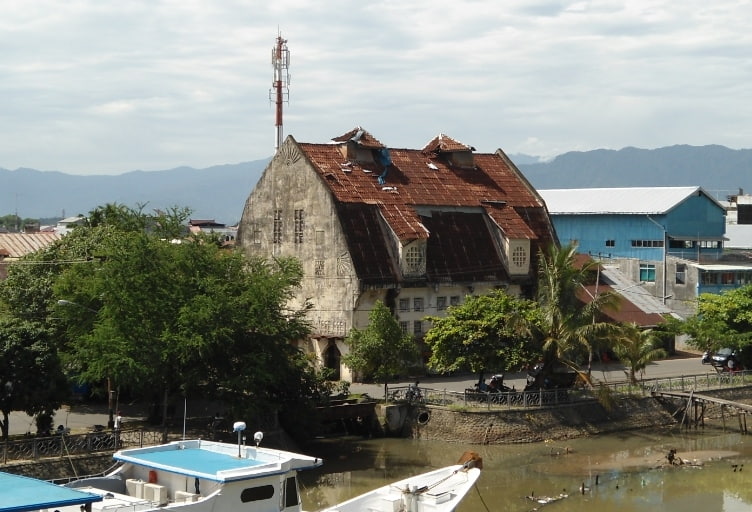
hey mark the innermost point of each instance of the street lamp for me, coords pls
(110, 391)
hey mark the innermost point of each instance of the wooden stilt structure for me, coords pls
(693, 412)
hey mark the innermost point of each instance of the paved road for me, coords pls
(81, 417)
(682, 364)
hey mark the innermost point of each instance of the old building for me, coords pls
(418, 229)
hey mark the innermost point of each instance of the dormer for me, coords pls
(454, 153)
(358, 145)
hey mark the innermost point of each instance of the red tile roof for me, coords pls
(443, 143)
(417, 180)
(422, 195)
(360, 136)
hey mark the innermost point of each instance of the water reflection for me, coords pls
(625, 472)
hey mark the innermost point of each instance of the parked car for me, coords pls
(723, 356)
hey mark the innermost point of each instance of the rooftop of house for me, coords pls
(444, 193)
(16, 245)
(416, 181)
(629, 201)
(205, 223)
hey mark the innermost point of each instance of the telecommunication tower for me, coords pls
(280, 93)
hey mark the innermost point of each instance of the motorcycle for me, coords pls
(706, 357)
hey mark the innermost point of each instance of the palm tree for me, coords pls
(637, 348)
(567, 328)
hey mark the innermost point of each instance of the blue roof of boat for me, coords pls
(216, 461)
(21, 493)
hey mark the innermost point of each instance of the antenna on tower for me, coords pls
(280, 93)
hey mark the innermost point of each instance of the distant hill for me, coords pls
(217, 192)
(719, 170)
(220, 192)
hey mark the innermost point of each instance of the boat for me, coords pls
(209, 476)
(440, 490)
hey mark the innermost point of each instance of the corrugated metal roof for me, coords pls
(16, 245)
(739, 236)
(723, 268)
(627, 201)
(633, 292)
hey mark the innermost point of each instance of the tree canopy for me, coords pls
(381, 350)
(481, 335)
(129, 299)
(567, 329)
(31, 377)
(637, 348)
(723, 320)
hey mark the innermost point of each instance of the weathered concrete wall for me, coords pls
(525, 425)
(551, 423)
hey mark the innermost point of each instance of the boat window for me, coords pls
(263, 492)
(291, 492)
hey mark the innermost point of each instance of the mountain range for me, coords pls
(220, 192)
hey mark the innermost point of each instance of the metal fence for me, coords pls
(698, 382)
(471, 399)
(486, 400)
(63, 445)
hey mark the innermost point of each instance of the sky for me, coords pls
(107, 87)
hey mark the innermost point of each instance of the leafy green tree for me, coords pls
(381, 350)
(177, 317)
(566, 329)
(31, 378)
(723, 320)
(637, 348)
(128, 299)
(481, 334)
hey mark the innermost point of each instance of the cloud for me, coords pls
(103, 87)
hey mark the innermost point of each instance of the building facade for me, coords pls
(669, 240)
(418, 229)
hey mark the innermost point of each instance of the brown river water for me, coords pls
(621, 472)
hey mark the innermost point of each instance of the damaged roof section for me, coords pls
(445, 144)
(444, 193)
(475, 259)
(361, 137)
